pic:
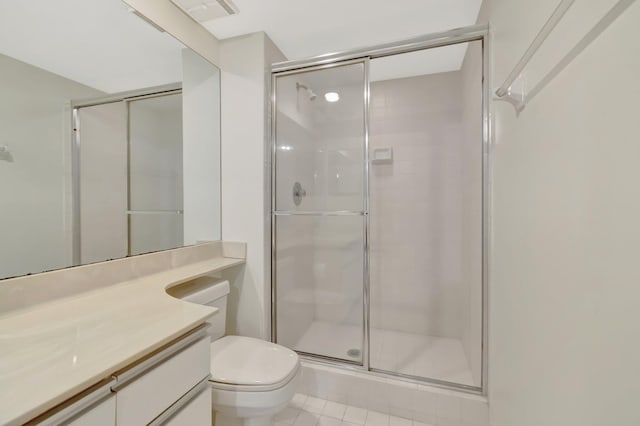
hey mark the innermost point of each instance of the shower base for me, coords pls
(411, 354)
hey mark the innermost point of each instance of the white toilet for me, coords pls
(251, 379)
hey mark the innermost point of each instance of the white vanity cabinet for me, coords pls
(158, 388)
(125, 353)
(196, 412)
(170, 387)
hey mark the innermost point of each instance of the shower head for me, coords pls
(312, 96)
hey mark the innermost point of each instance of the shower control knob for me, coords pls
(298, 193)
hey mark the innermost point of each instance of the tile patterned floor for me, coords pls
(310, 411)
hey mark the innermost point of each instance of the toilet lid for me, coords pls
(239, 360)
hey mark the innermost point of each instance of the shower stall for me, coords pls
(379, 208)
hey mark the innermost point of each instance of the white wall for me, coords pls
(564, 345)
(245, 195)
(35, 188)
(201, 148)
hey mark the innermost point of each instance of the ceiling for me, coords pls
(304, 28)
(98, 43)
(421, 62)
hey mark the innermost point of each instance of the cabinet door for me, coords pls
(150, 393)
(103, 414)
(195, 413)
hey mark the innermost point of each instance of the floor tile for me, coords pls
(443, 421)
(311, 411)
(329, 421)
(306, 419)
(355, 415)
(399, 421)
(334, 409)
(377, 419)
(288, 415)
(314, 405)
(298, 400)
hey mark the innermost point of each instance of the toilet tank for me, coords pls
(207, 291)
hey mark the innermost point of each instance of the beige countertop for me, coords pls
(53, 351)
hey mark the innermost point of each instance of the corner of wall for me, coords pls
(245, 185)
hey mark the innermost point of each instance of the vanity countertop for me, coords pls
(53, 351)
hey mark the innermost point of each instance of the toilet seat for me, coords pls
(251, 388)
(245, 364)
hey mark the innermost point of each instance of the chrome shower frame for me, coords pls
(364, 55)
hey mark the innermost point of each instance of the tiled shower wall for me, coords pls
(426, 404)
(416, 205)
(426, 206)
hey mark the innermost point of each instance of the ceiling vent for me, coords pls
(203, 11)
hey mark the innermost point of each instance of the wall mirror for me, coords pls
(109, 137)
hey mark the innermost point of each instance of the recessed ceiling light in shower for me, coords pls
(332, 96)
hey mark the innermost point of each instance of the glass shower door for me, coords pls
(426, 217)
(319, 211)
(155, 174)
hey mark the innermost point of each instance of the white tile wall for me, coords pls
(426, 214)
(416, 205)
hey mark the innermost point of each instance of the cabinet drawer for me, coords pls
(195, 413)
(95, 406)
(143, 398)
(193, 409)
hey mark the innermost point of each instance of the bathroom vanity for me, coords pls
(169, 387)
(126, 353)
